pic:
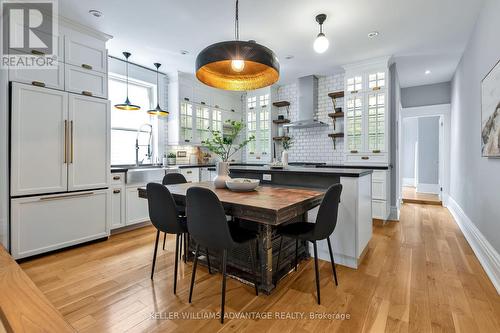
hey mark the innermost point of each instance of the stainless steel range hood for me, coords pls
(308, 103)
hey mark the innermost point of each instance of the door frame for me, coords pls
(443, 111)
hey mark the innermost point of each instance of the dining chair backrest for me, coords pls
(326, 220)
(206, 220)
(174, 178)
(162, 210)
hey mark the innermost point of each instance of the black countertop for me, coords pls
(341, 172)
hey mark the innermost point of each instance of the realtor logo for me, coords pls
(28, 33)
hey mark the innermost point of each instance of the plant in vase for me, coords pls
(287, 144)
(171, 158)
(225, 146)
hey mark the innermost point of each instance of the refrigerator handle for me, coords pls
(71, 146)
(65, 141)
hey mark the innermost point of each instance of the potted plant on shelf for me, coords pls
(171, 158)
(225, 146)
(287, 144)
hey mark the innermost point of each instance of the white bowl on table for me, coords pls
(242, 184)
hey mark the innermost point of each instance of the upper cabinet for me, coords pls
(195, 109)
(367, 112)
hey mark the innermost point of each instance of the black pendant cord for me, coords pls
(157, 88)
(237, 23)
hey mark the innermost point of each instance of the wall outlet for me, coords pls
(267, 177)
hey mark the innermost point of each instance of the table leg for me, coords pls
(266, 257)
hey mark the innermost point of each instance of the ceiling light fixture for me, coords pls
(95, 12)
(321, 43)
(427, 72)
(237, 65)
(373, 34)
(158, 110)
(127, 105)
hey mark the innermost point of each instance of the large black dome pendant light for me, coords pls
(237, 65)
(158, 110)
(127, 105)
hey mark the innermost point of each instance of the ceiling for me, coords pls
(421, 35)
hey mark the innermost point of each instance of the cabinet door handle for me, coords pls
(36, 52)
(87, 93)
(86, 66)
(202, 103)
(186, 99)
(38, 84)
(354, 151)
(71, 146)
(375, 88)
(186, 140)
(189, 172)
(354, 92)
(116, 177)
(365, 158)
(216, 106)
(116, 191)
(86, 194)
(65, 141)
(376, 151)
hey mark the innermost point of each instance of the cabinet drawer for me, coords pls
(366, 158)
(57, 46)
(85, 52)
(42, 224)
(379, 190)
(118, 178)
(380, 175)
(380, 210)
(46, 77)
(86, 82)
(192, 175)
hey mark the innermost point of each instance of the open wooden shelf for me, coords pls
(336, 135)
(336, 94)
(279, 138)
(281, 121)
(336, 115)
(281, 104)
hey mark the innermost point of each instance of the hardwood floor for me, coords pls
(418, 275)
(410, 195)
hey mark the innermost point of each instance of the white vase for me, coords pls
(222, 174)
(284, 158)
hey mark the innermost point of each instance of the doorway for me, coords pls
(421, 153)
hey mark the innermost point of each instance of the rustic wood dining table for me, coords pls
(268, 207)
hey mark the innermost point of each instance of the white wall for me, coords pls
(431, 94)
(409, 133)
(475, 181)
(428, 154)
(313, 144)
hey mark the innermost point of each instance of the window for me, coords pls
(376, 80)
(252, 102)
(354, 83)
(125, 124)
(264, 100)
(251, 130)
(264, 131)
(354, 116)
(202, 122)
(216, 120)
(376, 121)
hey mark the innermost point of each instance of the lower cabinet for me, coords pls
(117, 207)
(136, 208)
(206, 175)
(192, 174)
(381, 194)
(45, 223)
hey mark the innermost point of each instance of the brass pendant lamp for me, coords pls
(127, 105)
(158, 110)
(237, 65)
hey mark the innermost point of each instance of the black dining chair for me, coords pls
(209, 228)
(178, 178)
(165, 218)
(313, 232)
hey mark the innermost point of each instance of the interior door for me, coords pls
(89, 127)
(38, 140)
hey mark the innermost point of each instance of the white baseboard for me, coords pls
(394, 215)
(409, 182)
(487, 255)
(428, 188)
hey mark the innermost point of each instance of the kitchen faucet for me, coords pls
(149, 154)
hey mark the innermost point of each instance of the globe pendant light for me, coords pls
(127, 105)
(321, 43)
(237, 65)
(157, 111)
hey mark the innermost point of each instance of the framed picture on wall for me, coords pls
(490, 113)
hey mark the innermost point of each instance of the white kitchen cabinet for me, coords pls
(117, 207)
(85, 51)
(87, 82)
(89, 163)
(136, 208)
(38, 140)
(44, 77)
(192, 175)
(46, 223)
(206, 175)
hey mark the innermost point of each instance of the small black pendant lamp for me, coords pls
(127, 105)
(158, 110)
(237, 65)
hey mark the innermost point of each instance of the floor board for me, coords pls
(419, 274)
(410, 195)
